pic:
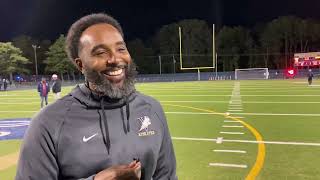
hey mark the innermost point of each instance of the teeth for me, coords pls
(115, 73)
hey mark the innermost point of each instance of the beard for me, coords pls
(101, 85)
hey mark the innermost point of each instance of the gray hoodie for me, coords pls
(82, 134)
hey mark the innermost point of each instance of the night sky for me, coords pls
(46, 19)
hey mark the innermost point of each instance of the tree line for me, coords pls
(270, 45)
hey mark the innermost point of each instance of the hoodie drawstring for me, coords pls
(128, 114)
(104, 128)
(104, 124)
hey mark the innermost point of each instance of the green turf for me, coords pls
(280, 110)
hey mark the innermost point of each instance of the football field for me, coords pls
(264, 129)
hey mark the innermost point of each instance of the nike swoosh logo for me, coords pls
(84, 139)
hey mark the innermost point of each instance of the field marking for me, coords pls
(234, 104)
(261, 146)
(248, 141)
(231, 121)
(228, 165)
(274, 114)
(19, 98)
(251, 95)
(229, 151)
(253, 114)
(8, 160)
(21, 103)
(227, 126)
(235, 110)
(219, 140)
(224, 132)
(248, 102)
(17, 111)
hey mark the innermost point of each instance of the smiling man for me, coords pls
(104, 129)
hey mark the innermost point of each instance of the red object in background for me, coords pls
(290, 72)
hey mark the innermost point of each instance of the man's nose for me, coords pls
(113, 58)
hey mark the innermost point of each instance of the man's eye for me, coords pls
(122, 49)
(100, 52)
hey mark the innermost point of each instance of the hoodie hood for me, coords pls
(93, 101)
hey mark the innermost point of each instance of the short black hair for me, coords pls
(77, 28)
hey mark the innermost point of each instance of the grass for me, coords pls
(279, 110)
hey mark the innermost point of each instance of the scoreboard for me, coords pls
(307, 59)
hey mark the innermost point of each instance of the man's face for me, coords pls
(105, 61)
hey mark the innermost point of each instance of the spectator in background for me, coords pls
(43, 89)
(0, 84)
(5, 84)
(56, 86)
(310, 76)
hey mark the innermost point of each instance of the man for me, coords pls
(310, 76)
(43, 89)
(104, 129)
(56, 86)
(0, 83)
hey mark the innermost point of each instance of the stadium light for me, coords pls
(35, 57)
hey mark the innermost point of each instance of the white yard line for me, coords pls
(223, 132)
(231, 121)
(229, 151)
(248, 141)
(274, 114)
(253, 114)
(247, 102)
(235, 105)
(228, 165)
(251, 95)
(17, 111)
(226, 126)
(235, 110)
(21, 103)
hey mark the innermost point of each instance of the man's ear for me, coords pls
(79, 64)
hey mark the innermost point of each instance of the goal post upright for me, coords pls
(214, 55)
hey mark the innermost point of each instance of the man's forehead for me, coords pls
(100, 32)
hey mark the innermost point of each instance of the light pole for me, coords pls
(35, 57)
(160, 64)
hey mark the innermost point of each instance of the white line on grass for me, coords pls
(251, 95)
(231, 121)
(248, 141)
(223, 132)
(22, 103)
(228, 165)
(16, 111)
(235, 105)
(219, 140)
(248, 102)
(232, 126)
(253, 114)
(229, 151)
(238, 110)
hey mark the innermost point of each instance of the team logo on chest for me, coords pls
(144, 130)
